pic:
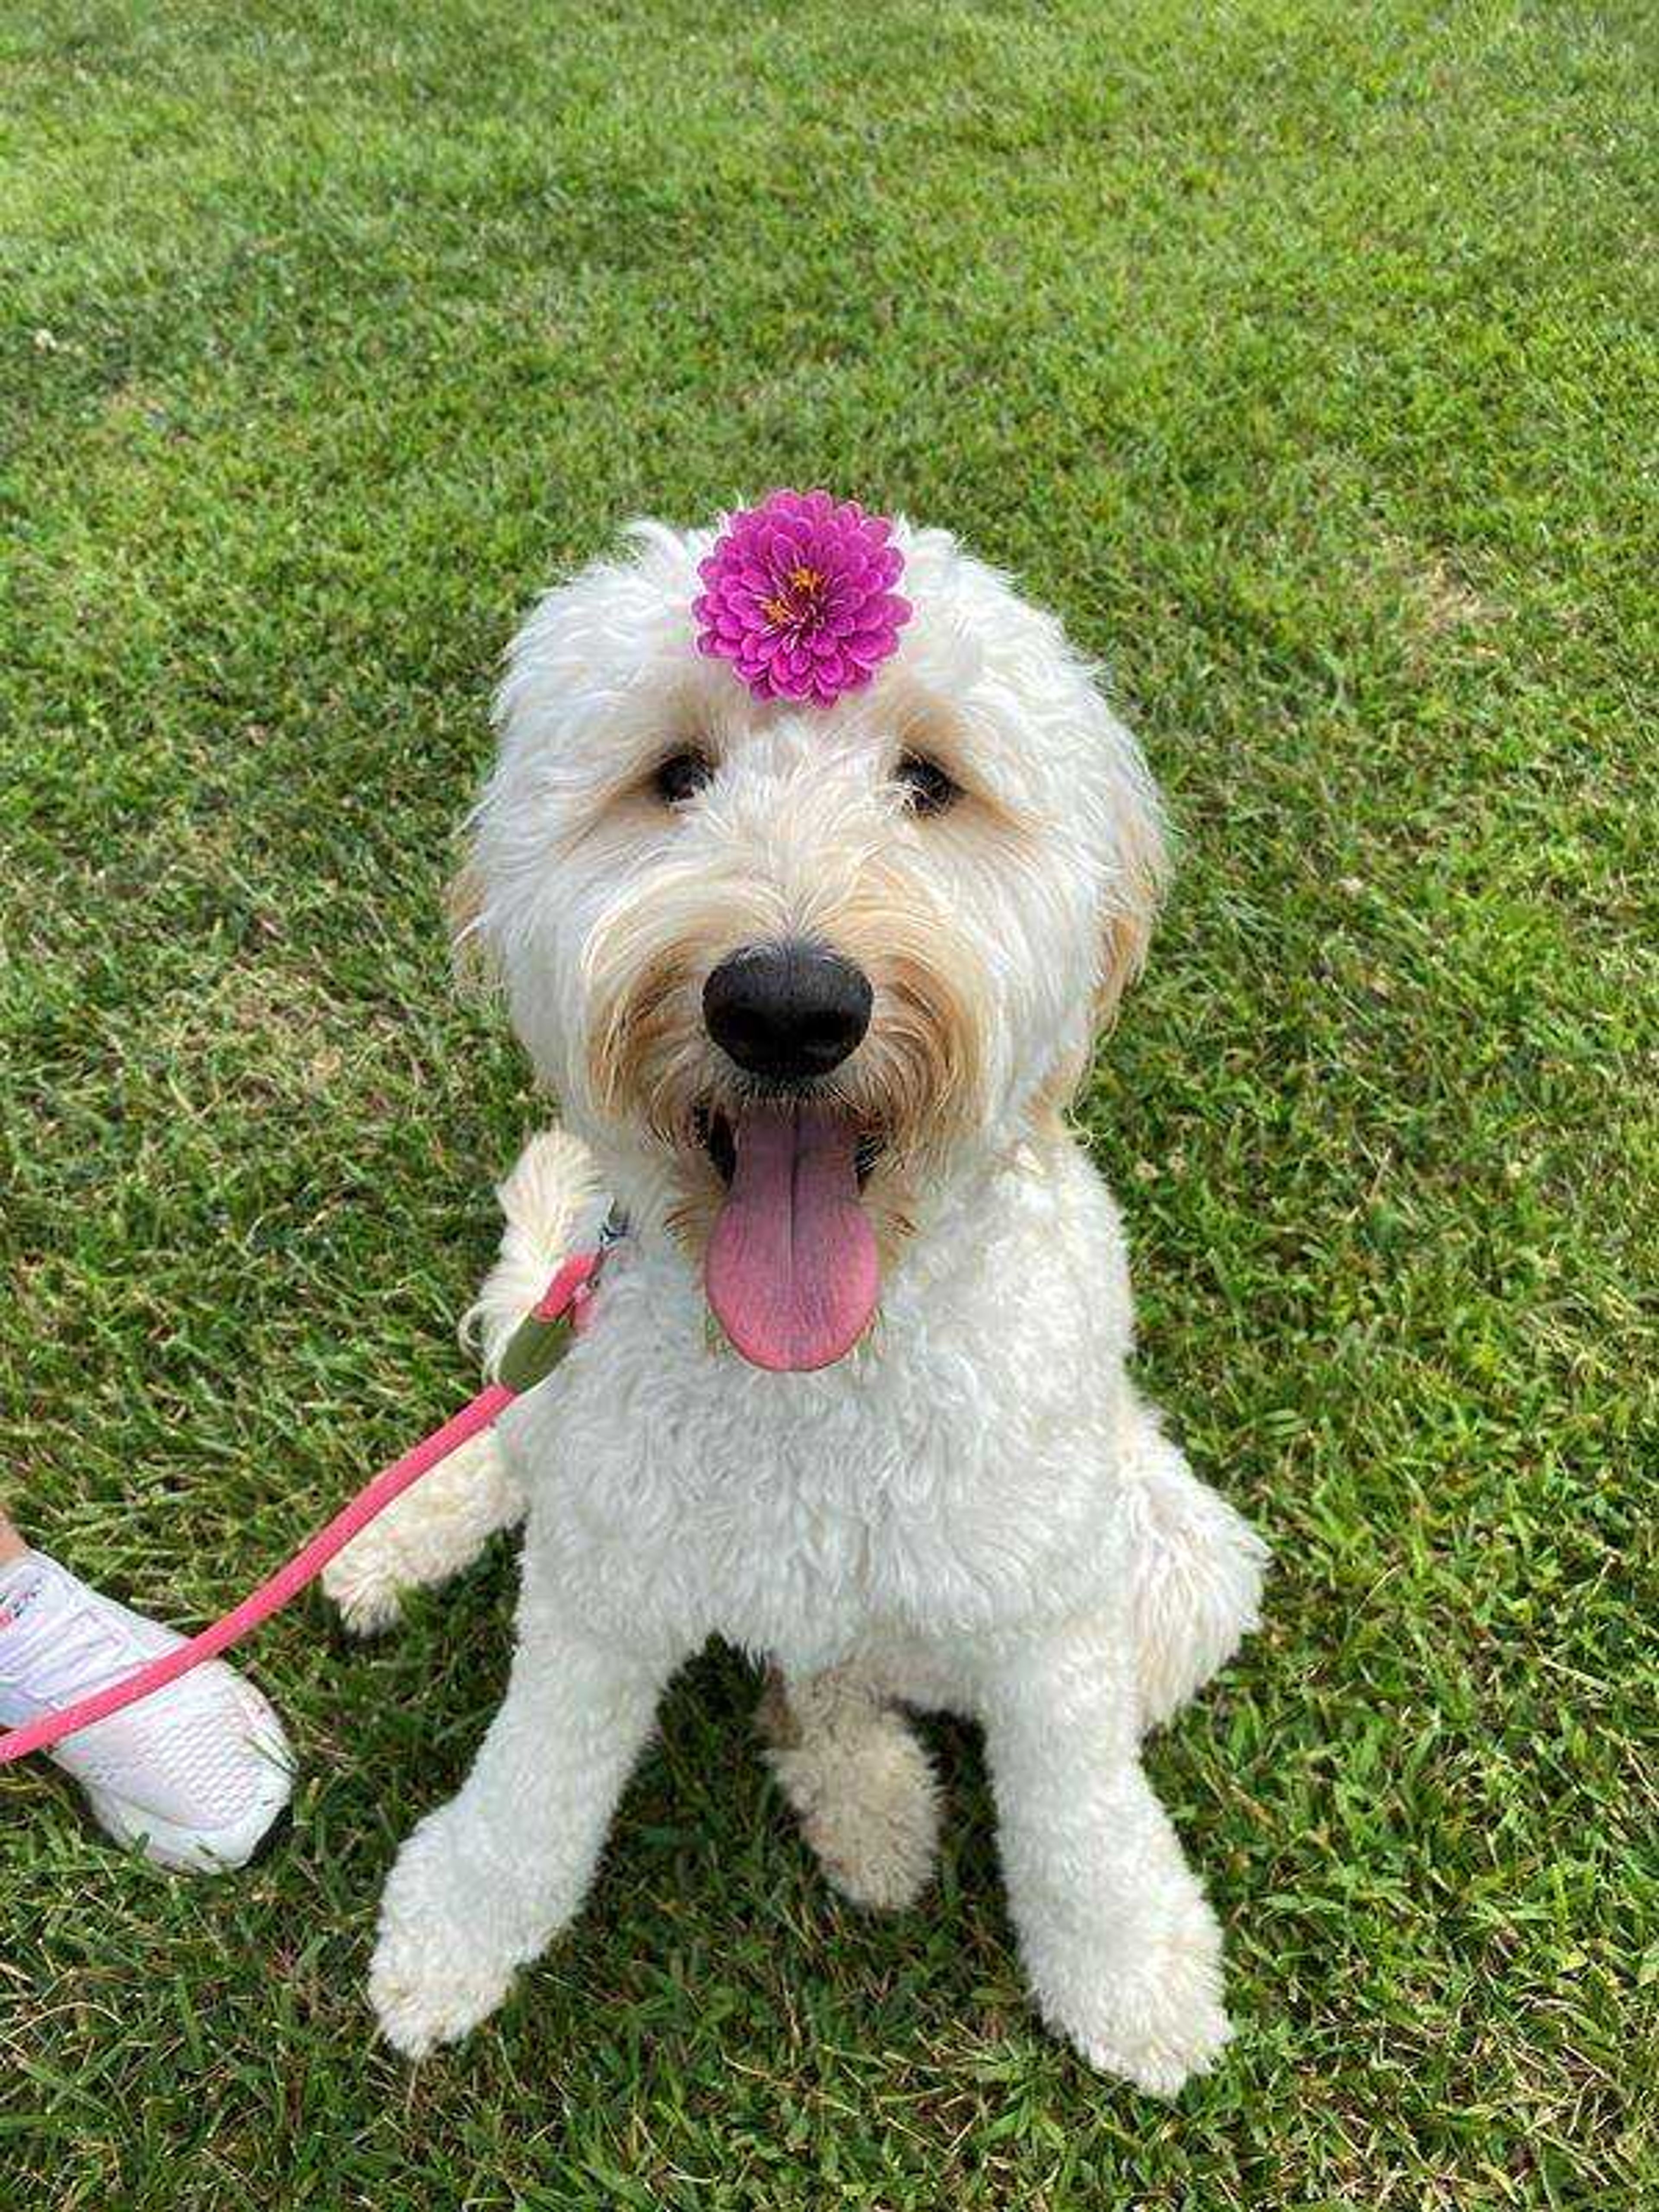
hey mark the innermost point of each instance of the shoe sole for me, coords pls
(194, 1851)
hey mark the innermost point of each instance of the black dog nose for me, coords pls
(787, 1011)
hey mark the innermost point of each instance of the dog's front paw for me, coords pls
(435, 1975)
(1157, 2035)
(1155, 2019)
(425, 1991)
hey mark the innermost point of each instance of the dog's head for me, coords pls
(796, 970)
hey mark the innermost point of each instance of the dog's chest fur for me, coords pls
(955, 1475)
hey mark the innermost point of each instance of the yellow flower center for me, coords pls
(799, 602)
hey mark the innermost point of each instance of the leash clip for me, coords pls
(545, 1335)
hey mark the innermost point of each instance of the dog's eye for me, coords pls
(930, 790)
(681, 775)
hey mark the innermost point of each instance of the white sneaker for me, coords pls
(196, 1774)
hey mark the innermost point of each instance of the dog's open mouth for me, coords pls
(791, 1269)
(713, 1128)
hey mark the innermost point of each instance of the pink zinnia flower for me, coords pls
(798, 596)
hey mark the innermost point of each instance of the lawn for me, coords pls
(1303, 354)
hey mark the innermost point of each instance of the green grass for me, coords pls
(1303, 354)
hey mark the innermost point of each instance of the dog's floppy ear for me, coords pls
(1131, 899)
(1138, 865)
(477, 971)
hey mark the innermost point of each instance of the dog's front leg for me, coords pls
(1122, 1953)
(484, 1884)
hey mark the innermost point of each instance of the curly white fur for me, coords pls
(974, 1508)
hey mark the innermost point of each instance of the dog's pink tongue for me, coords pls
(791, 1267)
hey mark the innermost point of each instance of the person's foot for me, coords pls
(196, 1774)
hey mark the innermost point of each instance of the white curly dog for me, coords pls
(814, 986)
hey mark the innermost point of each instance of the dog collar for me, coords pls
(546, 1333)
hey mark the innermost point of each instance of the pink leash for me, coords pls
(565, 1294)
